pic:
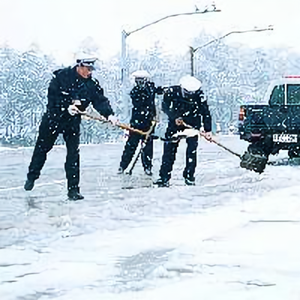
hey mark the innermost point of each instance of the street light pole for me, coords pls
(193, 50)
(192, 54)
(124, 55)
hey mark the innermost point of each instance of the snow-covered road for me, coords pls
(235, 235)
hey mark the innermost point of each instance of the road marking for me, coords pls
(36, 185)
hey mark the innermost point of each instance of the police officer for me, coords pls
(143, 113)
(70, 91)
(183, 103)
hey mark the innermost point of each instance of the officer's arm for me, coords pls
(206, 116)
(167, 105)
(152, 107)
(100, 102)
(58, 97)
(134, 95)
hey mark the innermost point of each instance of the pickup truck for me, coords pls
(272, 125)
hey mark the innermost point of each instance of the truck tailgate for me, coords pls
(274, 119)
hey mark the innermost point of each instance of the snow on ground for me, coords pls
(235, 235)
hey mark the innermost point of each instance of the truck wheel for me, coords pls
(294, 152)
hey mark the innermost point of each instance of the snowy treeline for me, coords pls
(230, 75)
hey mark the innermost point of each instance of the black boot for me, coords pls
(148, 171)
(189, 181)
(188, 178)
(162, 182)
(29, 184)
(120, 170)
(74, 195)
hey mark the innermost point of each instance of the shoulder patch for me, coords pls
(201, 96)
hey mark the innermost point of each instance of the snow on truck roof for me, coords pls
(287, 79)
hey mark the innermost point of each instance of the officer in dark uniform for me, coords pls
(183, 103)
(143, 113)
(71, 90)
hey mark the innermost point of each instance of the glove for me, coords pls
(113, 119)
(76, 102)
(72, 110)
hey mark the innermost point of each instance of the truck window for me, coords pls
(277, 95)
(293, 94)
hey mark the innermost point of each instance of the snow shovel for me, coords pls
(143, 144)
(120, 125)
(196, 131)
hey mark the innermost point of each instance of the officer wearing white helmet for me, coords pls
(70, 91)
(184, 104)
(141, 75)
(143, 113)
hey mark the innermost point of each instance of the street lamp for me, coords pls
(193, 50)
(127, 34)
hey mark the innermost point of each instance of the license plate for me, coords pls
(285, 138)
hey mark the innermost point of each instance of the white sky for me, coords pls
(59, 26)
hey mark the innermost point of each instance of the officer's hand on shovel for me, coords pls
(113, 120)
(179, 122)
(207, 135)
(73, 110)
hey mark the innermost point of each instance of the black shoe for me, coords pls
(161, 182)
(29, 184)
(120, 170)
(74, 195)
(189, 181)
(148, 171)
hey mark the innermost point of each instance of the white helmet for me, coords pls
(85, 59)
(141, 74)
(190, 83)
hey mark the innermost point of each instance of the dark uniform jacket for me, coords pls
(191, 107)
(67, 85)
(143, 110)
